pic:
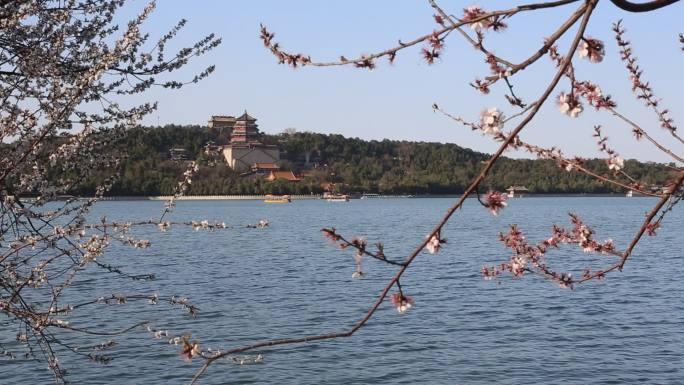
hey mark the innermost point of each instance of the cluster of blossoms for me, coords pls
(401, 302)
(569, 165)
(113, 299)
(360, 245)
(262, 224)
(434, 49)
(476, 17)
(164, 226)
(203, 224)
(495, 201)
(491, 121)
(616, 163)
(293, 60)
(569, 104)
(496, 68)
(434, 244)
(366, 62)
(581, 235)
(185, 304)
(93, 248)
(531, 258)
(190, 171)
(591, 49)
(489, 273)
(159, 334)
(190, 350)
(593, 94)
(481, 85)
(136, 243)
(245, 360)
(181, 188)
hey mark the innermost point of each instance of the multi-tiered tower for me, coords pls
(245, 150)
(245, 130)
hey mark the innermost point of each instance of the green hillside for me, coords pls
(355, 165)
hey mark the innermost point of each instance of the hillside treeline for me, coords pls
(354, 165)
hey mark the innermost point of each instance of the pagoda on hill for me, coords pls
(245, 130)
(245, 150)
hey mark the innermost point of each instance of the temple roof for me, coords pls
(246, 117)
(287, 175)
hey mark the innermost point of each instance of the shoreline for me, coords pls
(354, 197)
(128, 198)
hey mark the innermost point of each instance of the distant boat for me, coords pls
(629, 194)
(366, 196)
(337, 198)
(517, 191)
(278, 199)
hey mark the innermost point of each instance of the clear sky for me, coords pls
(395, 101)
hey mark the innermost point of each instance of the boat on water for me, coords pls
(629, 194)
(517, 191)
(278, 199)
(367, 196)
(337, 198)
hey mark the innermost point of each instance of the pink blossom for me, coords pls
(439, 19)
(495, 201)
(592, 49)
(565, 281)
(594, 95)
(430, 55)
(472, 13)
(518, 265)
(435, 243)
(569, 166)
(488, 273)
(616, 163)
(496, 68)
(190, 350)
(569, 105)
(491, 121)
(358, 274)
(401, 302)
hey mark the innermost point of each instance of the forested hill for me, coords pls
(355, 165)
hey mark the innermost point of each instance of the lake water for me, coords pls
(287, 280)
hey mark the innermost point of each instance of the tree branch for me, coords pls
(588, 8)
(642, 7)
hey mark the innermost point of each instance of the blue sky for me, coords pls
(395, 101)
